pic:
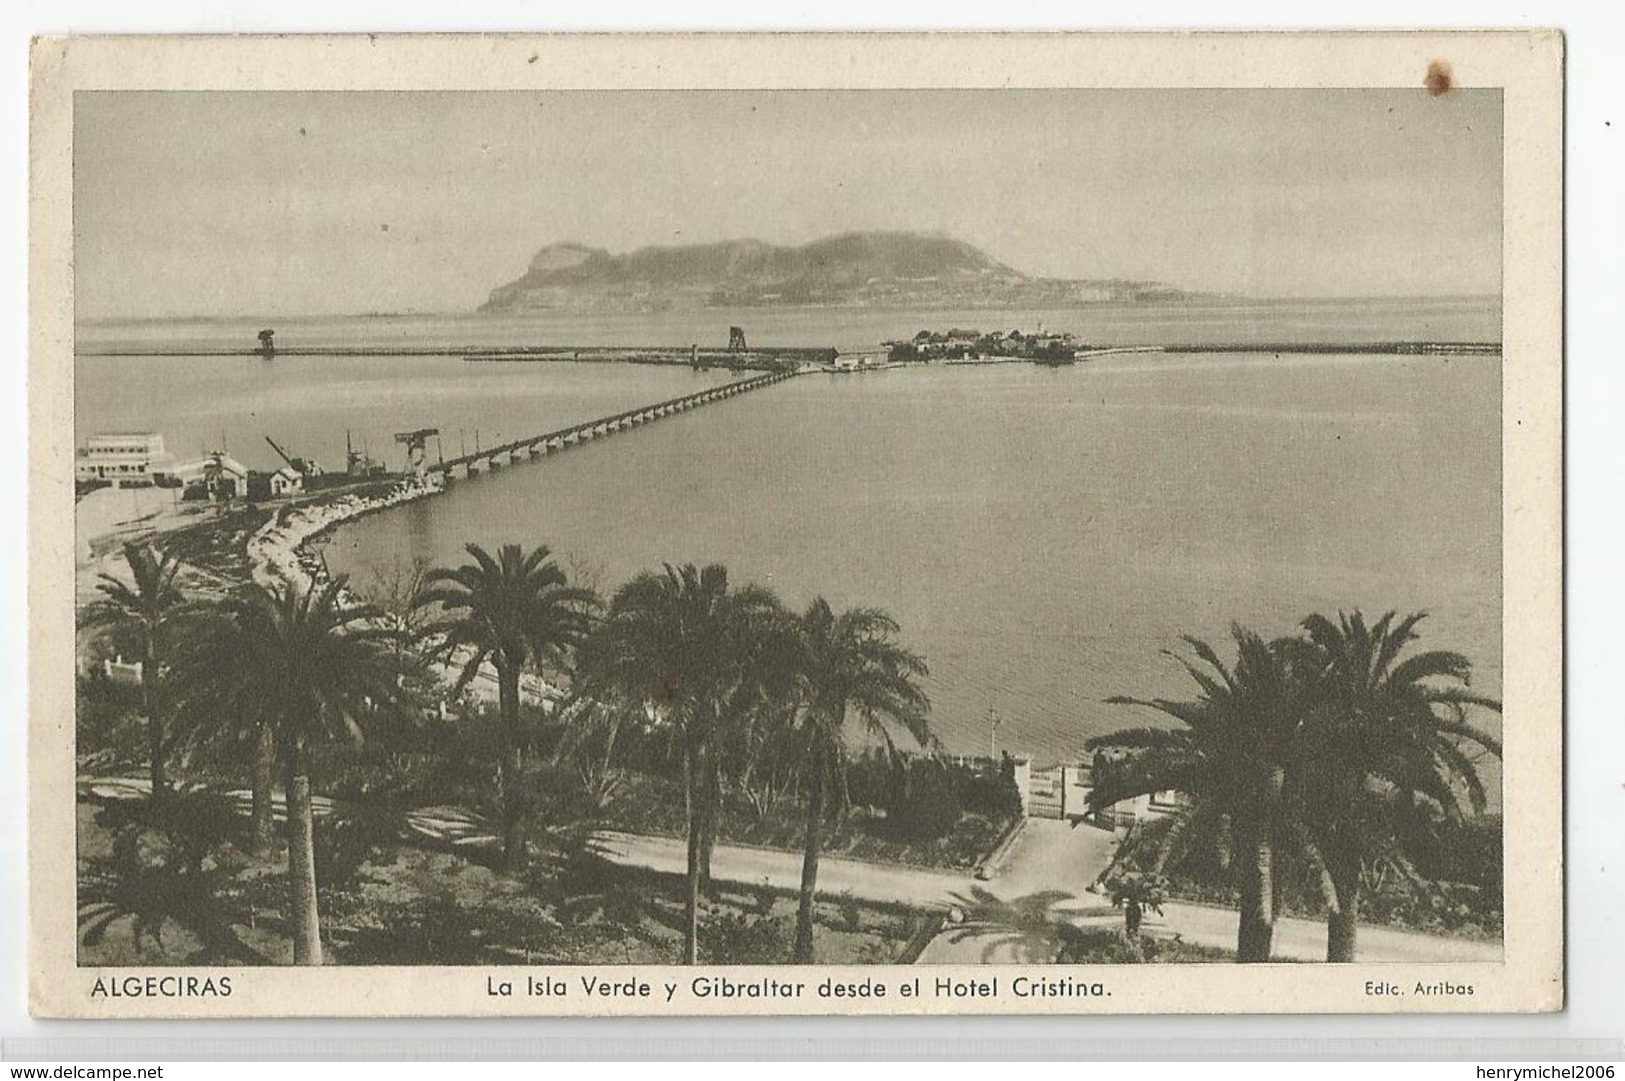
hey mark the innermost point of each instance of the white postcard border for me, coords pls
(1527, 65)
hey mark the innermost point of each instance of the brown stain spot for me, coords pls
(1438, 78)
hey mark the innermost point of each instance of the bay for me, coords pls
(1041, 534)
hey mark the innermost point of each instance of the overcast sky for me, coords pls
(269, 203)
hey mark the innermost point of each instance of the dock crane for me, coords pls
(305, 467)
(416, 444)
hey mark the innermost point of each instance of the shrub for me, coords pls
(851, 911)
(1134, 892)
(171, 862)
(347, 840)
(990, 791)
(111, 733)
(1464, 850)
(871, 780)
(928, 806)
(435, 927)
(734, 938)
(1101, 946)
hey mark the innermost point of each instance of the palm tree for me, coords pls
(184, 880)
(507, 610)
(306, 667)
(762, 703)
(143, 614)
(699, 655)
(1387, 746)
(851, 664)
(1230, 759)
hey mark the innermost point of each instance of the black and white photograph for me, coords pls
(1016, 538)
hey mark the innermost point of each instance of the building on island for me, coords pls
(972, 346)
(854, 362)
(128, 459)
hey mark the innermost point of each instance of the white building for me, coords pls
(852, 362)
(122, 671)
(287, 481)
(130, 457)
(1062, 791)
(222, 476)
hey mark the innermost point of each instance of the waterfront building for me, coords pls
(287, 481)
(216, 476)
(128, 458)
(851, 362)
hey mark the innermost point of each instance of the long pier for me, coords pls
(552, 442)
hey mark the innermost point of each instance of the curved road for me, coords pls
(1008, 919)
(1044, 877)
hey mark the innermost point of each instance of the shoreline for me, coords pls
(279, 553)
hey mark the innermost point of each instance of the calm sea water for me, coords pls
(307, 404)
(1041, 534)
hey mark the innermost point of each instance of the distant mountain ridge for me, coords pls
(874, 269)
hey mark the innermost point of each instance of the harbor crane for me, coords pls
(416, 442)
(305, 467)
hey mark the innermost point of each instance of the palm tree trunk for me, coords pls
(809, 860)
(155, 726)
(1277, 887)
(1342, 926)
(609, 758)
(511, 765)
(1248, 930)
(304, 917)
(1256, 933)
(710, 810)
(264, 778)
(691, 923)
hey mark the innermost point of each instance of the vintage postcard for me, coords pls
(733, 524)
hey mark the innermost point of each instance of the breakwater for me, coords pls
(279, 553)
(765, 357)
(1426, 348)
